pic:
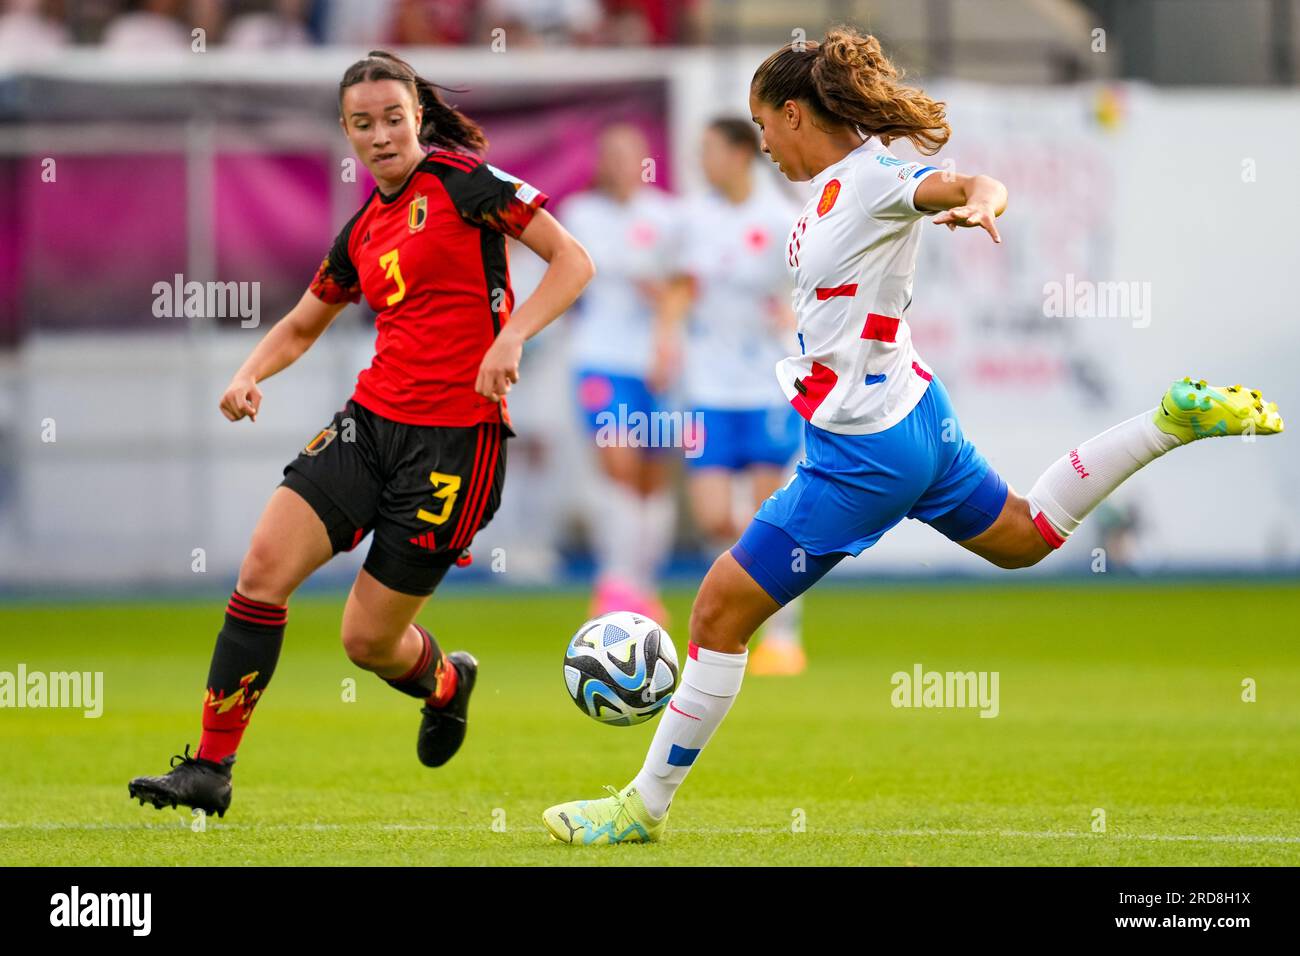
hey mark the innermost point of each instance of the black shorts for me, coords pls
(425, 491)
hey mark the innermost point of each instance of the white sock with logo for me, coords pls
(710, 682)
(1076, 483)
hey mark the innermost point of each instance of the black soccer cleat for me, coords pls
(192, 782)
(442, 729)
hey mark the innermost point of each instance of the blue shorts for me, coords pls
(850, 489)
(736, 439)
(600, 394)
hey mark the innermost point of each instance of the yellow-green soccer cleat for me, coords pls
(619, 818)
(1192, 410)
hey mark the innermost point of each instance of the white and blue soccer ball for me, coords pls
(621, 668)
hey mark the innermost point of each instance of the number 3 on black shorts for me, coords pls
(445, 490)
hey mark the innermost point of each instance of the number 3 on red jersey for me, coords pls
(389, 261)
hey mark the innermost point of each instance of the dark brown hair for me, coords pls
(443, 125)
(737, 132)
(847, 79)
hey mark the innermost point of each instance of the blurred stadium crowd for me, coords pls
(157, 25)
(1198, 42)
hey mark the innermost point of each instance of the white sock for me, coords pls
(786, 623)
(657, 515)
(615, 526)
(1076, 483)
(710, 682)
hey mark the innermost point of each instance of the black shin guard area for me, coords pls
(249, 644)
(421, 681)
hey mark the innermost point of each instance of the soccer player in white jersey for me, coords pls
(882, 441)
(731, 291)
(630, 227)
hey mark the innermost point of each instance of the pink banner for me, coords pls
(86, 249)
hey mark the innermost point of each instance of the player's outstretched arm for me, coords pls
(569, 269)
(966, 201)
(281, 347)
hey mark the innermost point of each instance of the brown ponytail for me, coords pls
(443, 125)
(848, 79)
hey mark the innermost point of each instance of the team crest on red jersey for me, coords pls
(829, 195)
(417, 213)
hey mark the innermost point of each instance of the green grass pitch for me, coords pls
(1122, 697)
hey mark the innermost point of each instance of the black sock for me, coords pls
(432, 678)
(243, 661)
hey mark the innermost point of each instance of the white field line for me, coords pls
(183, 823)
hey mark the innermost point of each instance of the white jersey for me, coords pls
(853, 257)
(631, 243)
(734, 333)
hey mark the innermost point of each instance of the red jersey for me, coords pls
(431, 260)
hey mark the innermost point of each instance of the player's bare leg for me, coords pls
(729, 607)
(288, 544)
(380, 634)
(780, 649)
(779, 652)
(1012, 541)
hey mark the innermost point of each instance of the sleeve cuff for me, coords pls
(917, 178)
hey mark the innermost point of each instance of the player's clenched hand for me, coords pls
(500, 368)
(242, 398)
(970, 216)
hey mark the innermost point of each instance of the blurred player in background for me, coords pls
(417, 455)
(731, 289)
(883, 442)
(629, 227)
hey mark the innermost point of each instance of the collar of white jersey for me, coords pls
(869, 145)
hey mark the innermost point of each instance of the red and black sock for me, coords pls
(243, 661)
(433, 679)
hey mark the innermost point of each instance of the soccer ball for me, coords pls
(620, 668)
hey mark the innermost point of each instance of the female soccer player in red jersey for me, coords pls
(417, 455)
